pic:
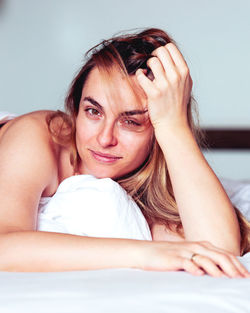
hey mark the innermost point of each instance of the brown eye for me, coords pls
(131, 123)
(92, 112)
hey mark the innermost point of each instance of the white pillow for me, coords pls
(239, 194)
(87, 206)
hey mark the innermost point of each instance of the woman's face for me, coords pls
(112, 138)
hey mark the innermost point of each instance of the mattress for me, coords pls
(123, 291)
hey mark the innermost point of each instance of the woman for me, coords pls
(128, 118)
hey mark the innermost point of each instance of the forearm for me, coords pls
(199, 195)
(29, 251)
(43, 251)
(205, 210)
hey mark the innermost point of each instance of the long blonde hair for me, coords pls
(150, 185)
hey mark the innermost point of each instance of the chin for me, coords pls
(103, 175)
(105, 172)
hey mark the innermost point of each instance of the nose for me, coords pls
(107, 135)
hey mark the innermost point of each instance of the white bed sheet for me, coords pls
(123, 291)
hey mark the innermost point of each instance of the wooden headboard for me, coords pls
(227, 138)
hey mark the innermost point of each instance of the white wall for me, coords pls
(42, 45)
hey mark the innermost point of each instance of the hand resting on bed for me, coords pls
(86, 206)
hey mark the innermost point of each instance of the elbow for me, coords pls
(232, 244)
(236, 251)
(237, 242)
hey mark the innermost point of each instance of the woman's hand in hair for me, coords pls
(169, 92)
(197, 258)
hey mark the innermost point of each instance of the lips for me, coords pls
(104, 157)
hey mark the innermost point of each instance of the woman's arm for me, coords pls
(205, 210)
(29, 251)
(28, 168)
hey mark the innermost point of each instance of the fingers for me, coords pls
(177, 262)
(146, 84)
(233, 259)
(157, 69)
(209, 266)
(171, 74)
(177, 58)
(172, 60)
(160, 81)
(219, 268)
(165, 59)
(196, 258)
(190, 267)
(167, 62)
(240, 267)
(217, 262)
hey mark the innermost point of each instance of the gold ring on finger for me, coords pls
(193, 256)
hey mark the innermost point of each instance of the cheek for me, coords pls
(139, 146)
(84, 131)
(82, 134)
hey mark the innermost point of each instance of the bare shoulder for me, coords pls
(28, 131)
(28, 167)
(35, 120)
(26, 140)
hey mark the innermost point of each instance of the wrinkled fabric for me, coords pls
(239, 194)
(87, 206)
(123, 291)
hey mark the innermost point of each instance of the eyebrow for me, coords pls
(126, 113)
(94, 102)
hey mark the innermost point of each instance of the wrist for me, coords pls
(165, 129)
(137, 253)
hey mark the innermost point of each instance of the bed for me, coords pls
(130, 290)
